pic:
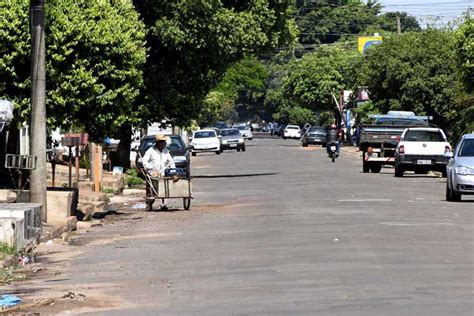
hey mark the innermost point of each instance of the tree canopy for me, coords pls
(95, 49)
(414, 72)
(192, 43)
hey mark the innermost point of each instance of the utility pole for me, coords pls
(38, 179)
(399, 27)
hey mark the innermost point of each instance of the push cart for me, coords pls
(167, 188)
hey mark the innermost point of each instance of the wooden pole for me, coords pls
(399, 26)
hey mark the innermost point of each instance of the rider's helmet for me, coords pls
(333, 126)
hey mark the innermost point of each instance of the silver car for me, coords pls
(460, 169)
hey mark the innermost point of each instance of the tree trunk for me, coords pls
(122, 156)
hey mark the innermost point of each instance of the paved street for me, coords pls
(281, 230)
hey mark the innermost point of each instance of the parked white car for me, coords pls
(460, 170)
(422, 149)
(292, 131)
(205, 140)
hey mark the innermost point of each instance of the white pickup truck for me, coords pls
(421, 149)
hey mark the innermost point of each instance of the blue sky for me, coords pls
(426, 10)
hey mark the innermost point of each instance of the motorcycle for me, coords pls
(333, 151)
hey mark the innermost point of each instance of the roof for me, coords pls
(468, 136)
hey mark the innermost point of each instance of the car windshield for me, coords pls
(173, 143)
(205, 134)
(317, 130)
(400, 122)
(424, 136)
(230, 132)
(242, 128)
(467, 148)
(292, 127)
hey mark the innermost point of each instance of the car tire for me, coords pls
(243, 148)
(444, 173)
(451, 195)
(218, 152)
(398, 171)
(304, 144)
(284, 137)
(365, 165)
(193, 154)
(238, 149)
(376, 168)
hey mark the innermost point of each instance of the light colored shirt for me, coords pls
(158, 161)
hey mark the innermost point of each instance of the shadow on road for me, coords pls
(235, 175)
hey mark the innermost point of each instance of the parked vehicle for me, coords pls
(316, 135)
(379, 140)
(175, 145)
(232, 139)
(245, 131)
(220, 125)
(460, 169)
(205, 140)
(421, 149)
(292, 131)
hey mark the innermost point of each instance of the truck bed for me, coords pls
(380, 136)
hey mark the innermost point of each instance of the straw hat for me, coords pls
(160, 138)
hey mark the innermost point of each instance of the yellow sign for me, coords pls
(365, 42)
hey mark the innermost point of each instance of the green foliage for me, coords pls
(95, 54)
(414, 72)
(243, 83)
(6, 250)
(325, 118)
(364, 111)
(465, 51)
(131, 181)
(317, 76)
(331, 21)
(192, 43)
(294, 115)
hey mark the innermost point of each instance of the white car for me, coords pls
(461, 170)
(244, 131)
(292, 131)
(422, 149)
(205, 140)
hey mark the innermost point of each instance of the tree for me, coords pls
(95, 54)
(414, 72)
(315, 78)
(465, 51)
(192, 43)
(294, 115)
(331, 21)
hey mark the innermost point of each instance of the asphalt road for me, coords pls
(281, 230)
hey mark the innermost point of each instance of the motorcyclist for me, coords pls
(332, 137)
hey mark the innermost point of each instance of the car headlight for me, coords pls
(179, 159)
(464, 170)
(241, 140)
(224, 142)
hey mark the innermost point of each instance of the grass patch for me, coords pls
(6, 250)
(132, 179)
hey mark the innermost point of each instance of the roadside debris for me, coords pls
(25, 259)
(74, 296)
(9, 300)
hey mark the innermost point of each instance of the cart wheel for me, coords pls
(149, 206)
(187, 203)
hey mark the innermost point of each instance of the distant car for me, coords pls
(175, 145)
(315, 135)
(232, 139)
(220, 125)
(279, 130)
(460, 170)
(292, 131)
(421, 149)
(205, 140)
(245, 131)
(256, 127)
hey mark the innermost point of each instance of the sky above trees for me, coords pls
(428, 10)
